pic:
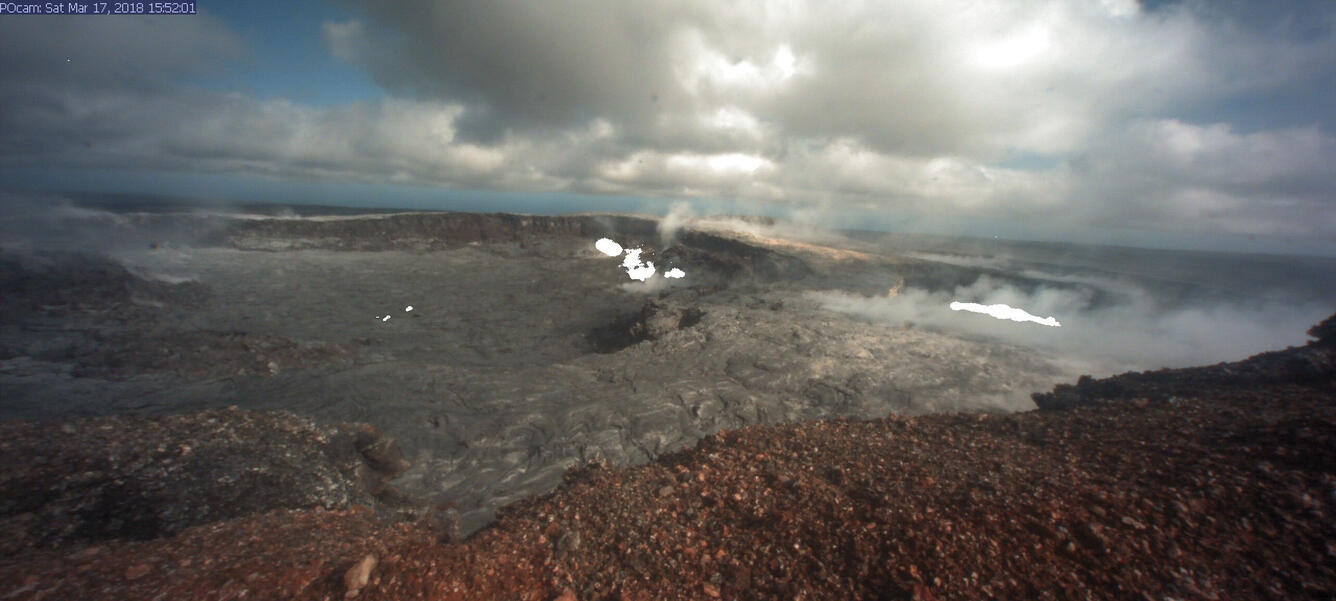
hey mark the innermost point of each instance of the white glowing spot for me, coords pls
(385, 319)
(608, 247)
(785, 62)
(1002, 311)
(731, 164)
(1015, 50)
(735, 162)
(408, 308)
(638, 270)
(635, 268)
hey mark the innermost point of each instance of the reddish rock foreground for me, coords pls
(1226, 494)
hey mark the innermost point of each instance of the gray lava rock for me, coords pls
(143, 478)
(654, 321)
(61, 283)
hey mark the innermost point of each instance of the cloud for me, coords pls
(678, 215)
(915, 78)
(1210, 177)
(51, 222)
(74, 54)
(521, 65)
(915, 107)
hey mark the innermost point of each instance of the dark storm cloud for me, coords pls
(523, 65)
(60, 77)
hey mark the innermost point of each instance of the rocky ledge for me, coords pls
(1313, 363)
(1201, 484)
(69, 484)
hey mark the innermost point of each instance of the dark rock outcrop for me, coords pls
(1324, 331)
(381, 452)
(654, 320)
(1313, 364)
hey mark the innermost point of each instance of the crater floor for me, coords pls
(496, 382)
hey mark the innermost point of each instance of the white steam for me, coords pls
(678, 216)
(1136, 334)
(781, 229)
(649, 286)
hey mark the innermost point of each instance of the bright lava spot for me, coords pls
(636, 269)
(608, 247)
(1002, 311)
(408, 308)
(386, 318)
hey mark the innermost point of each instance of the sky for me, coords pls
(1188, 124)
